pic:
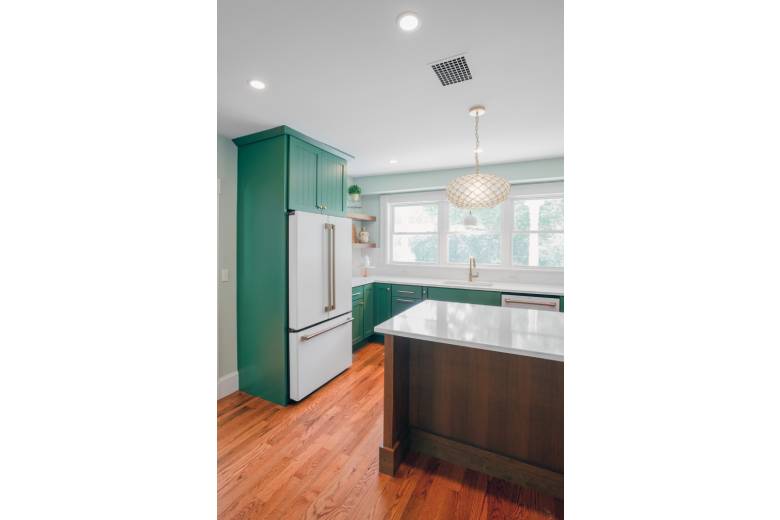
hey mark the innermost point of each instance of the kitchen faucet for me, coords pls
(473, 269)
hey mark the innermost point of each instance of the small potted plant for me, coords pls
(354, 193)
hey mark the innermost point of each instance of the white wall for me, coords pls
(227, 375)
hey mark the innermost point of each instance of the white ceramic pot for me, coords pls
(355, 197)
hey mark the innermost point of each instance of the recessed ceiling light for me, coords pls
(393, 161)
(408, 21)
(256, 83)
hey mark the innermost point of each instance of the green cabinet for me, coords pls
(448, 294)
(331, 189)
(357, 321)
(399, 305)
(304, 160)
(383, 299)
(368, 310)
(316, 179)
(278, 169)
(407, 291)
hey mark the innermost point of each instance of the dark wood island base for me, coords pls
(493, 412)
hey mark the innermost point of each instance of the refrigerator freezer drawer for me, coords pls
(319, 354)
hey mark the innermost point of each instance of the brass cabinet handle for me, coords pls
(307, 338)
(404, 300)
(406, 292)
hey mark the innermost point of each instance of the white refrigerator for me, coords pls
(320, 280)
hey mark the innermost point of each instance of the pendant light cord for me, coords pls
(476, 136)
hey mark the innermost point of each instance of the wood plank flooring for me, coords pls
(319, 459)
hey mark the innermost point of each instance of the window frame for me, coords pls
(523, 191)
(510, 209)
(392, 232)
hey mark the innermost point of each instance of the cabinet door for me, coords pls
(330, 183)
(401, 304)
(447, 294)
(357, 321)
(368, 311)
(302, 177)
(382, 302)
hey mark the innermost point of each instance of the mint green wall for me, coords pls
(543, 170)
(227, 156)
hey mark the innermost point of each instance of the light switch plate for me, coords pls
(224, 275)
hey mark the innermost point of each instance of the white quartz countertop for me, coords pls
(513, 287)
(523, 332)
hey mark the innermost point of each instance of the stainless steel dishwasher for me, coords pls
(541, 303)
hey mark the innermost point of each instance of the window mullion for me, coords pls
(444, 227)
(507, 225)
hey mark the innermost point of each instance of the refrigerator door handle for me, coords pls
(333, 266)
(331, 232)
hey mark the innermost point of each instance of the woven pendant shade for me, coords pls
(477, 190)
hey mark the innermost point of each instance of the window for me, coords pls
(537, 232)
(415, 233)
(525, 232)
(482, 242)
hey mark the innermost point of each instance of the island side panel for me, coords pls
(396, 405)
(507, 404)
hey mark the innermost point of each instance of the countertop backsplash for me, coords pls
(486, 274)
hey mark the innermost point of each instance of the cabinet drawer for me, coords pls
(407, 291)
(401, 304)
(357, 292)
(447, 294)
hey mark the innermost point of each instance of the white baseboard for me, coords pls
(227, 384)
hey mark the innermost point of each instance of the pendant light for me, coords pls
(477, 190)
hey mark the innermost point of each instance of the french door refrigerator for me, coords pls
(320, 274)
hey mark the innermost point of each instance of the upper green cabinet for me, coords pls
(331, 179)
(316, 179)
(304, 160)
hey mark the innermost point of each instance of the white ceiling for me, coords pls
(343, 73)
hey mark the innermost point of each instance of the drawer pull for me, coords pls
(404, 300)
(406, 292)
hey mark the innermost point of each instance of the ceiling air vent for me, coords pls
(452, 70)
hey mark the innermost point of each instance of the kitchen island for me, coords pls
(478, 386)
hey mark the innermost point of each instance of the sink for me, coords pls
(466, 283)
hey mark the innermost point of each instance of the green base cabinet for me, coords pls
(399, 305)
(383, 299)
(447, 294)
(368, 311)
(357, 321)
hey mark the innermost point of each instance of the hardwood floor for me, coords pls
(318, 459)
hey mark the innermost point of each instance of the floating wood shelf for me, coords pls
(361, 216)
(367, 245)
